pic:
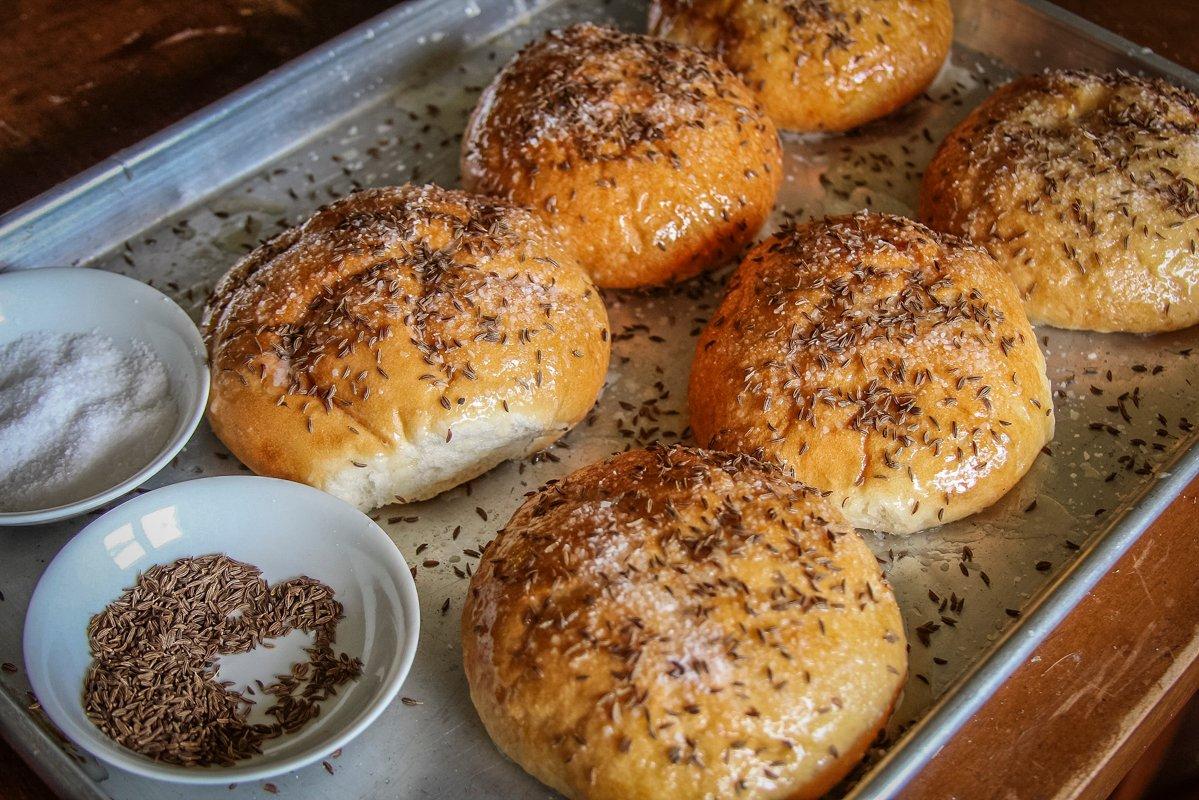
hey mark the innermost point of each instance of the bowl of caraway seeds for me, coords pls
(221, 630)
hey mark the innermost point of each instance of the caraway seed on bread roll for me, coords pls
(1083, 187)
(818, 65)
(400, 342)
(883, 363)
(651, 160)
(673, 623)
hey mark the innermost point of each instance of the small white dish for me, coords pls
(77, 300)
(286, 529)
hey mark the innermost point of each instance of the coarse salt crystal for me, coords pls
(78, 414)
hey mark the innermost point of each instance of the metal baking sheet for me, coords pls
(386, 103)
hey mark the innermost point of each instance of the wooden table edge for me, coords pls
(1021, 744)
(1074, 717)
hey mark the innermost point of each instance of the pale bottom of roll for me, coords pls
(418, 470)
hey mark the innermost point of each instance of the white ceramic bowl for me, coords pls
(76, 300)
(286, 529)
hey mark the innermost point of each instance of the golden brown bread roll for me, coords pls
(674, 623)
(400, 342)
(1082, 185)
(886, 364)
(650, 160)
(818, 65)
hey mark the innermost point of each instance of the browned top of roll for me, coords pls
(818, 64)
(596, 94)
(883, 362)
(672, 622)
(651, 159)
(390, 316)
(1083, 186)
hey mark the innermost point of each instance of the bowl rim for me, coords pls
(189, 418)
(266, 489)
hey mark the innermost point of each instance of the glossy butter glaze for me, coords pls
(349, 352)
(1083, 186)
(650, 160)
(818, 65)
(678, 623)
(883, 363)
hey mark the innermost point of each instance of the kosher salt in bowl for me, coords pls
(67, 300)
(285, 529)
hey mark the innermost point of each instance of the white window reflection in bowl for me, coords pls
(159, 527)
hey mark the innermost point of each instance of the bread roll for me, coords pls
(673, 623)
(400, 342)
(651, 161)
(818, 65)
(1082, 185)
(883, 363)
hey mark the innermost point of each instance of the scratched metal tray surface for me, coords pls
(385, 103)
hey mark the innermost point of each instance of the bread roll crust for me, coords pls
(1083, 186)
(818, 65)
(401, 341)
(674, 623)
(883, 363)
(651, 161)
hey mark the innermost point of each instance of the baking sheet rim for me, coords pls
(943, 719)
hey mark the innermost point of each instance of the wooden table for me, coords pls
(82, 79)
